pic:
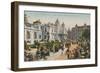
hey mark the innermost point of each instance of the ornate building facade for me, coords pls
(37, 31)
(75, 32)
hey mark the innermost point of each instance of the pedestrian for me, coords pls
(61, 49)
(66, 50)
(38, 54)
(45, 53)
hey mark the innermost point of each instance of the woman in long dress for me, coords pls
(66, 50)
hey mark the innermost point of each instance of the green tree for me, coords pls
(26, 47)
(86, 34)
(85, 43)
(37, 44)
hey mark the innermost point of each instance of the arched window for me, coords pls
(28, 35)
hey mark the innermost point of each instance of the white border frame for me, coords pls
(34, 64)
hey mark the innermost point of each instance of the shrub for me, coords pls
(26, 47)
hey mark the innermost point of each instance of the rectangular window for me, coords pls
(39, 36)
(35, 35)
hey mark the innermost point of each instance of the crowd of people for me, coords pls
(70, 50)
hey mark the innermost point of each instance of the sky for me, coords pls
(70, 19)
